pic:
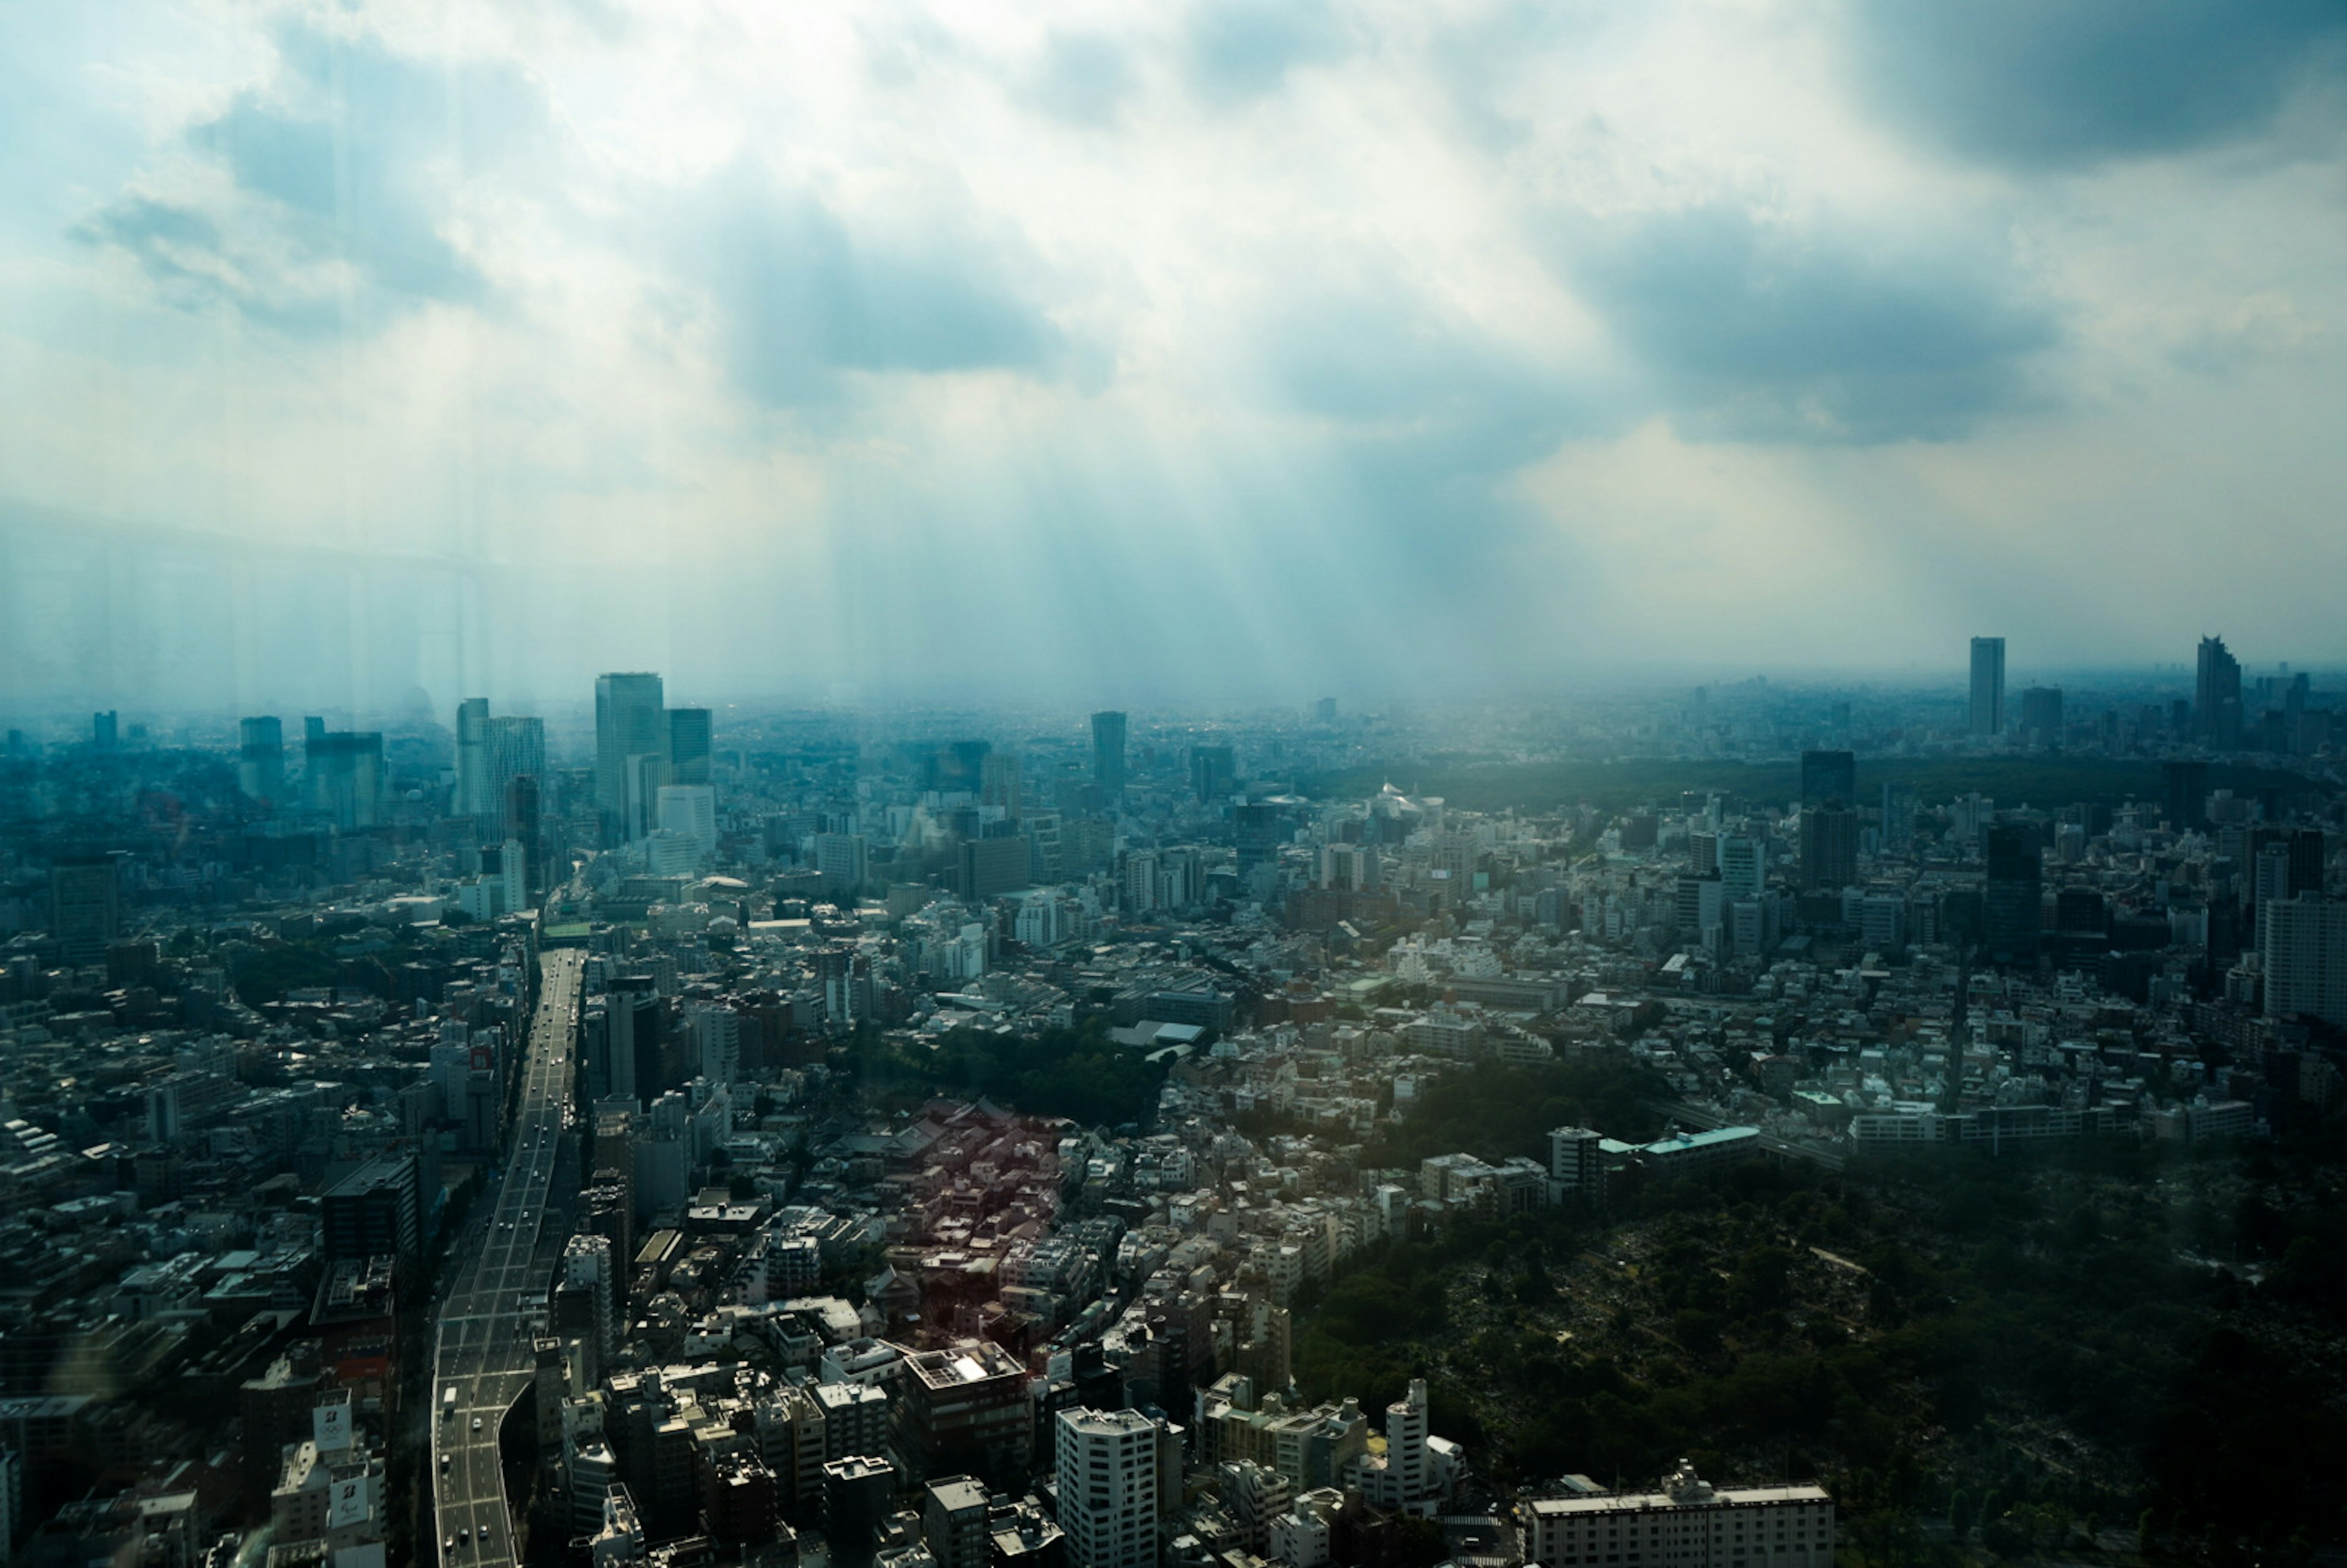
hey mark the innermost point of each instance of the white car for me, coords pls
(477, 1423)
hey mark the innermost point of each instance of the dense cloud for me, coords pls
(1218, 345)
(1755, 331)
(2040, 86)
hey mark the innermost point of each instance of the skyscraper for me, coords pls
(2216, 697)
(1988, 686)
(2187, 794)
(2041, 715)
(2013, 894)
(85, 906)
(2305, 944)
(1828, 776)
(1108, 753)
(261, 760)
(688, 745)
(511, 747)
(630, 722)
(1001, 783)
(473, 796)
(1828, 845)
(1213, 772)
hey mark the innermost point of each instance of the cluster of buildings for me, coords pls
(262, 1008)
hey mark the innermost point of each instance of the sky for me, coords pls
(1117, 353)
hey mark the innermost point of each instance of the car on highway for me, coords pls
(477, 1423)
(449, 1546)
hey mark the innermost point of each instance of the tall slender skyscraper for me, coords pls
(2216, 697)
(630, 722)
(473, 797)
(1108, 753)
(1988, 686)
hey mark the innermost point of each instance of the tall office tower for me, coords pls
(689, 739)
(2216, 697)
(1109, 1468)
(1261, 828)
(1988, 686)
(1000, 782)
(261, 760)
(1743, 867)
(2012, 896)
(2305, 948)
(525, 824)
(475, 796)
(2187, 794)
(1898, 817)
(630, 722)
(2041, 715)
(1829, 776)
(690, 810)
(105, 731)
(85, 906)
(511, 747)
(1108, 753)
(1213, 772)
(1829, 846)
(346, 776)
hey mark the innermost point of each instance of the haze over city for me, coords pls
(1244, 783)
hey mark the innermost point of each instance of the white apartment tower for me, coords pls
(2305, 950)
(1109, 1463)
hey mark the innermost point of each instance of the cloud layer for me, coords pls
(1213, 347)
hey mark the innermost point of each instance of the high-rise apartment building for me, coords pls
(1112, 1465)
(2305, 948)
(1988, 686)
(631, 723)
(1108, 753)
(2216, 697)
(261, 760)
(511, 747)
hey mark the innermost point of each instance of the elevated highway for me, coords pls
(506, 1255)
